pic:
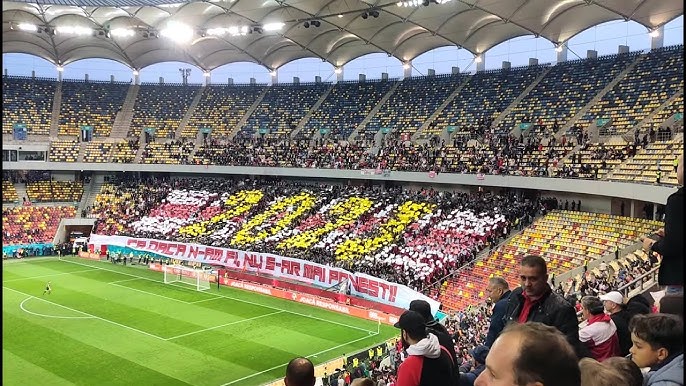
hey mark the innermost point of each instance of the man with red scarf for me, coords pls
(600, 333)
(534, 301)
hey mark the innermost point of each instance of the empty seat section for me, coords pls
(54, 191)
(64, 151)
(345, 107)
(413, 102)
(644, 165)
(90, 104)
(657, 77)
(565, 90)
(98, 152)
(160, 107)
(9, 192)
(28, 101)
(482, 99)
(282, 108)
(221, 108)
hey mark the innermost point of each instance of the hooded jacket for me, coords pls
(600, 336)
(671, 374)
(427, 364)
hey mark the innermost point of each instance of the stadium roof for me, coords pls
(347, 28)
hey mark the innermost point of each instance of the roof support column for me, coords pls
(136, 77)
(339, 74)
(657, 38)
(208, 78)
(561, 53)
(407, 69)
(481, 64)
(274, 77)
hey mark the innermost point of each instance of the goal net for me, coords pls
(186, 275)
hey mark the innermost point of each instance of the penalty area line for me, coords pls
(87, 314)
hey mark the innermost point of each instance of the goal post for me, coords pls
(186, 275)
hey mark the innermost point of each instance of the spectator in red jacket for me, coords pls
(428, 363)
(600, 334)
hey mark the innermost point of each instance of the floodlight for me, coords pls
(28, 27)
(178, 32)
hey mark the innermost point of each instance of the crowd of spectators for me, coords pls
(411, 237)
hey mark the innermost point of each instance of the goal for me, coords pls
(186, 275)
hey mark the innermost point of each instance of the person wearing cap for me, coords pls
(427, 363)
(614, 305)
(479, 353)
(433, 326)
(600, 334)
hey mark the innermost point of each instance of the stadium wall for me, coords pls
(633, 191)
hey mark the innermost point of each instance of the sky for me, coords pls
(603, 38)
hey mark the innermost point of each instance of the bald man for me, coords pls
(299, 372)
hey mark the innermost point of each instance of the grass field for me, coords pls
(106, 324)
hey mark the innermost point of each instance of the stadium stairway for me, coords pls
(21, 192)
(440, 108)
(82, 151)
(373, 112)
(248, 113)
(86, 196)
(649, 117)
(55, 117)
(314, 108)
(521, 96)
(189, 112)
(122, 122)
(580, 114)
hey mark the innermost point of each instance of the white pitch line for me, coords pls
(311, 355)
(232, 298)
(21, 305)
(205, 300)
(149, 293)
(122, 281)
(225, 324)
(91, 315)
(51, 275)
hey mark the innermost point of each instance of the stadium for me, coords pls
(314, 167)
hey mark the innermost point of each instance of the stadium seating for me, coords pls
(282, 108)
(567, 88)
(676, 106)
(28, 101)
(161, 107)
(345, 108)
(9, 192)
(64, 151)
(413, 102)
(98, 152)
(54, 191)
(649, 84)
(643, 166)
(90, 104)
(220, 108)
(483, 98)
(176, 152)
(564, 238)
(125, 151)
(603, 156)
(32, 224)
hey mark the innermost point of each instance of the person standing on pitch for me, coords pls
(47, 289)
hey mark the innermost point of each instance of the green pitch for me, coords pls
(106, 324)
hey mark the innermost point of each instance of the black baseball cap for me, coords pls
(423, 308)
(411, 321)
(479, 353)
